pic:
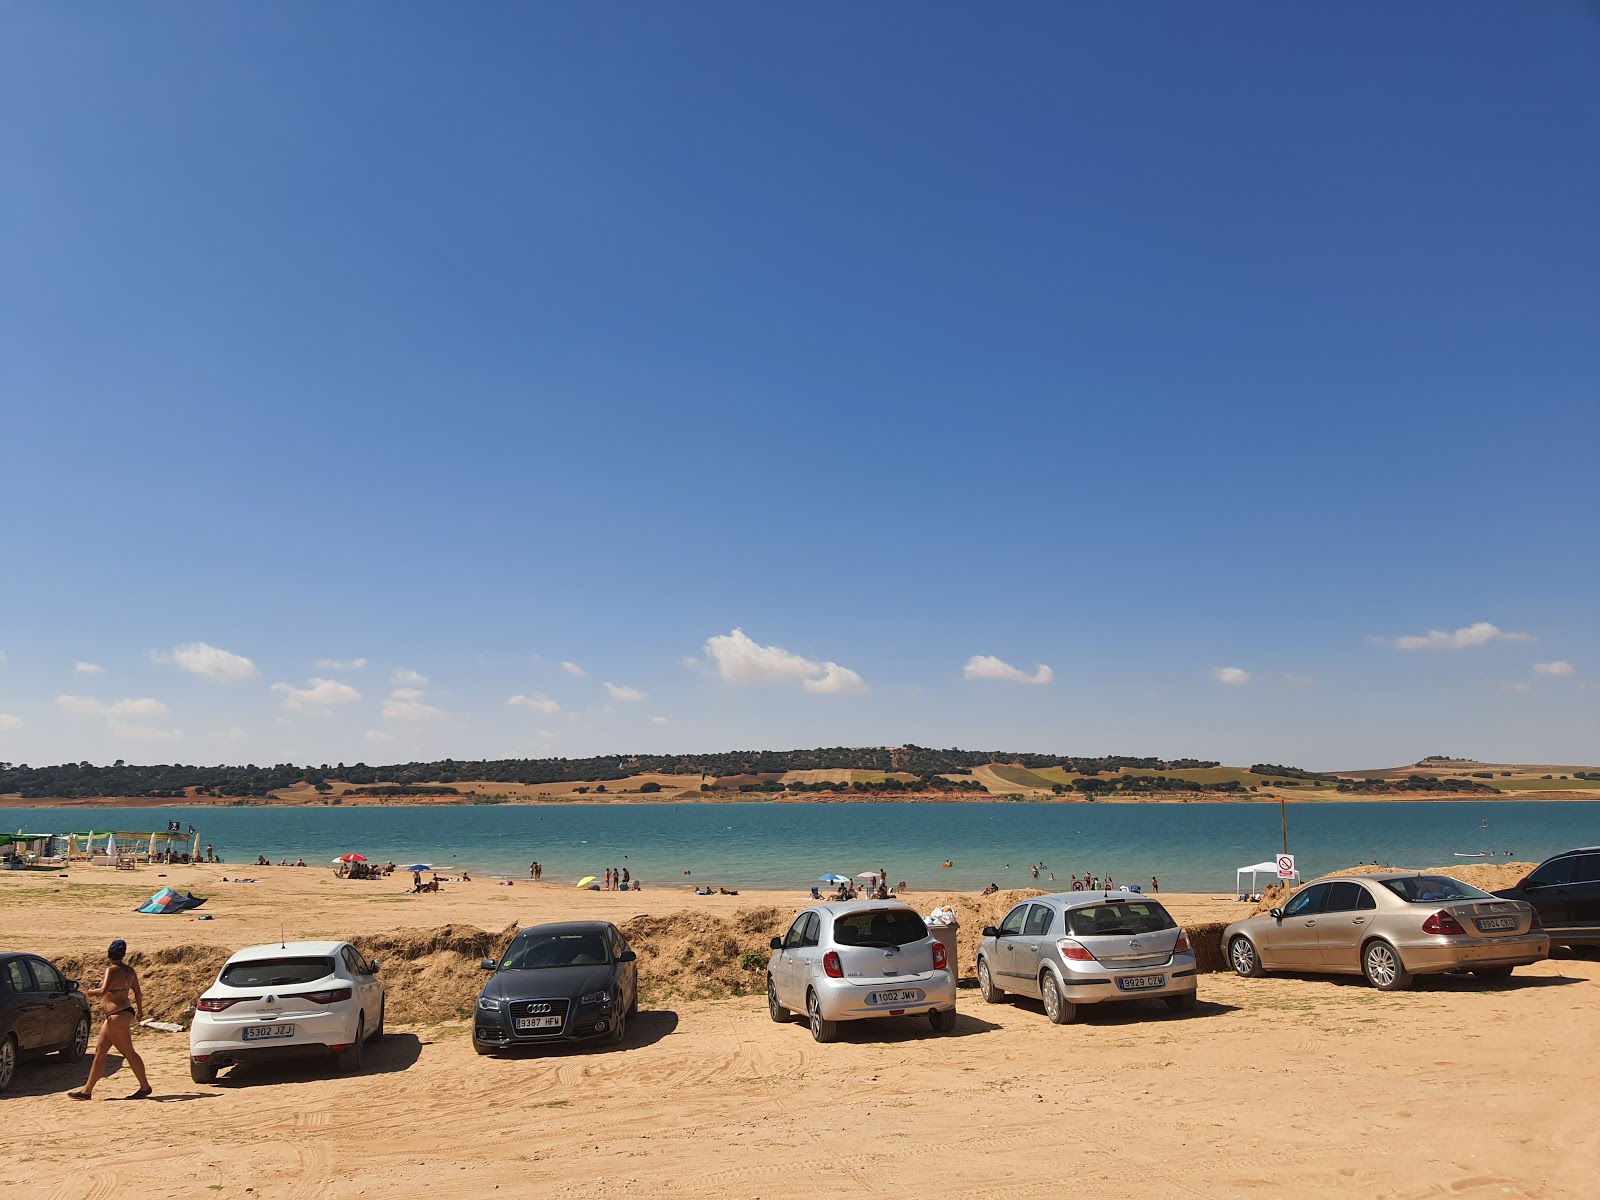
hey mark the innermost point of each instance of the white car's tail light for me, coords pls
(218, 1003)
(940, 962)
(1182, 946)
(1073, 950)
(329, 997)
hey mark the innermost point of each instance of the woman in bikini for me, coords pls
(123, 1004)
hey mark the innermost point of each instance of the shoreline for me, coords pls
(632, 798)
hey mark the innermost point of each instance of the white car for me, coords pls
(857, 960)
(287, 1000)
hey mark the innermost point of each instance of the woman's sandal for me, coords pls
(79, 1096)
(140, 1094)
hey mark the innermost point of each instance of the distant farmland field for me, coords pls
(1022, 777)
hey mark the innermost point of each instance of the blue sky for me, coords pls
(1162, 347)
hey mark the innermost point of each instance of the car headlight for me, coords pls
(601, 998)
(489, 1003)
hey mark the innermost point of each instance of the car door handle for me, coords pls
(1309, 924)
(1358, 920)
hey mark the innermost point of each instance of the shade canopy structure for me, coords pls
(585, 881)
(419, 867)
(833, 879)
(1270, 867)
(868, 875)
(351, 858)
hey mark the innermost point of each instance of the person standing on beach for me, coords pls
(122, 1003)
(1155, 885)
(533, 870)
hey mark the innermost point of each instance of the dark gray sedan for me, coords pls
(558, 983)
(41, 1012)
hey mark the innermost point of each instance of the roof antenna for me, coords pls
(282, 945)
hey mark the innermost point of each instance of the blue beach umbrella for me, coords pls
(419, 867)
(833, 879)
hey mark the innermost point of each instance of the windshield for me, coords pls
(1428, 889)
(586, 948)
(879, 927)
(275, 972)
(1119, 920)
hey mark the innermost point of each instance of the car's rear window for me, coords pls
(1119, 920)
(1430, 889)
(276, 972)
(879, 927)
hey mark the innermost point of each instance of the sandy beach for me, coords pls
(1278, 1086)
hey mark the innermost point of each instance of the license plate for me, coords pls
(254, 1033)
(1141, 983)
(538, 1022)
(909, 996)
(1488, 923)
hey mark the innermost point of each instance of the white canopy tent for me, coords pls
(1270, 867)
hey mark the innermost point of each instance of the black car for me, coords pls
(558, 983)
(41, 1012)
(1565, 892)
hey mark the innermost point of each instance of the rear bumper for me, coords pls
(222, 1041)
(843, 1001)
(1180, 977)
(1429, 956)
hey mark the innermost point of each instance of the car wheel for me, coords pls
(202, 1072)
(986, 987)
(821, 1030)
(1243, 958)
(775, 1010)
(1492, 972)
(616, 1036)
(481, 1048)
(350, 1060)
(1057, 1007)
(1381, 964)
(1182, 1002)
(74, 1050)
(943, 1020)
(383, 1010)
(8, 1060)
(633, 1005)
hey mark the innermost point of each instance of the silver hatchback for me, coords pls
(858, 960)
(1075, 948)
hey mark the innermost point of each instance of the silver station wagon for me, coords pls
(857, 960)
(1076, 948)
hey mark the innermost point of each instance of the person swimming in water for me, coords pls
(122, 1003)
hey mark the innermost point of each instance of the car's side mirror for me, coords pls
(776, 943)
(486, 965)
(374, 967)
(1276, 914)
(990, 931)
(1528, 884)
(627, 956)
(72, 985)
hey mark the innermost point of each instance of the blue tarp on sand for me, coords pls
(169, 901)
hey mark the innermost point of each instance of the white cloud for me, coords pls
(1554, 668)
(402, 708)
(334, 664)
(659, 721)
(1232, 676)
(143, 733)
(622, 692)
(378, 735)
(88, 668)
(1478, 634)
(987, 666)
(835, 680)
(573, 669)
(88, 706)
(405, 678)
(538, 704)
(8, 722)
(408, 693)
(744, 660)
(201, 659)
(318, 692)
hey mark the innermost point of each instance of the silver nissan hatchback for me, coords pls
(859, 959)
(1074, 948)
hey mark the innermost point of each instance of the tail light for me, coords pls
(1442, 923)
(330, 997)
(1533, 921)
(218, 1003)
(940, 962)
(1073, 950)
(1182, 946)
(831, 965)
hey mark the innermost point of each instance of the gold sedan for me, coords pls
(1389, 927)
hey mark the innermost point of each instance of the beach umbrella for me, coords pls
(867, 875)
(585, 881)
(419, 867)
(833, 879)
(111, 845)
(351, 858)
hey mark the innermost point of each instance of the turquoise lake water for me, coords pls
(1190, 847)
